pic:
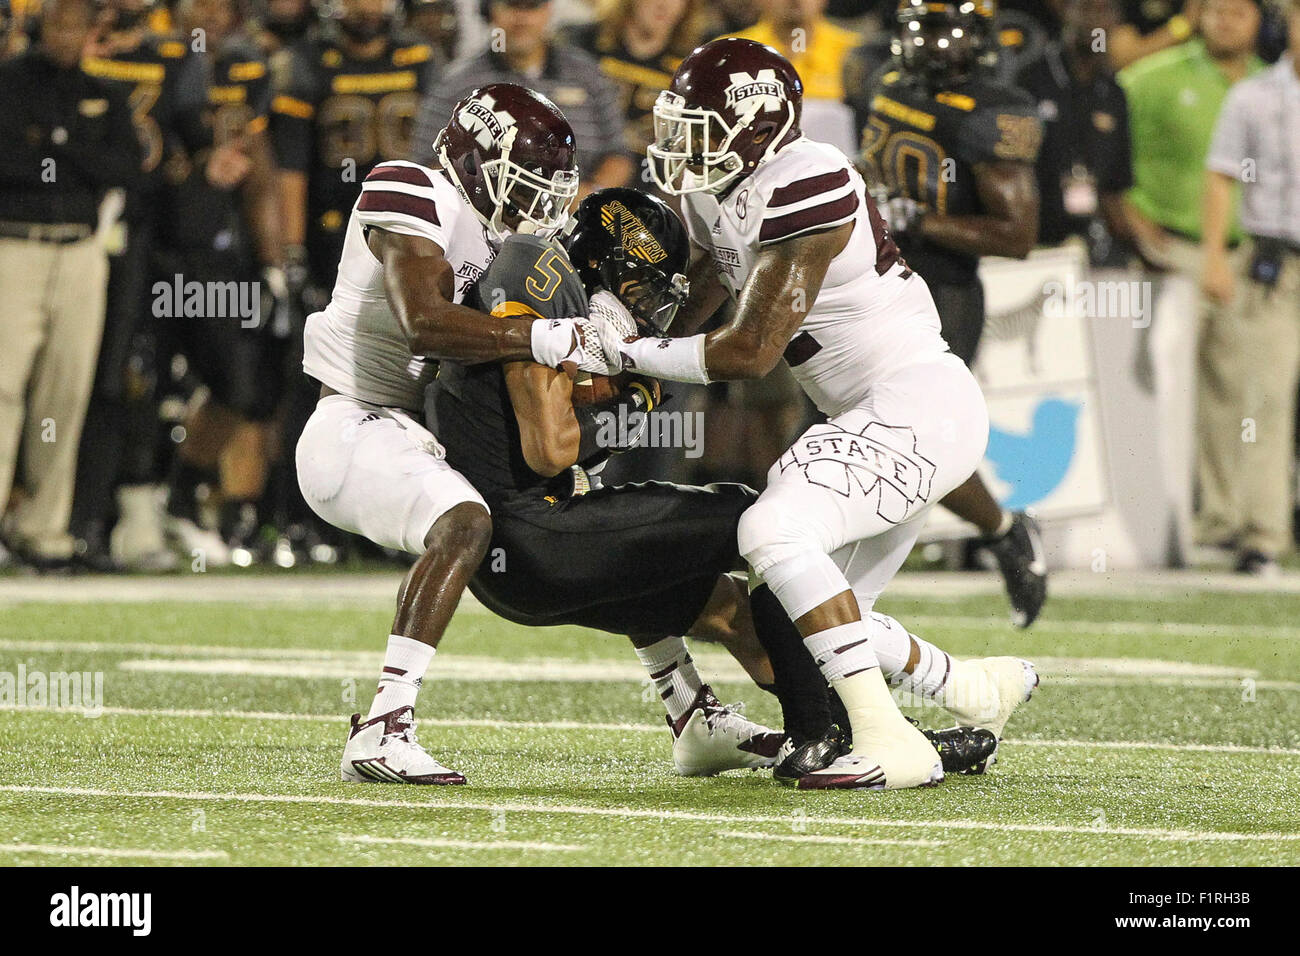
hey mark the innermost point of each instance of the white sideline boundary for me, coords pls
(615, 727)
(635, 814)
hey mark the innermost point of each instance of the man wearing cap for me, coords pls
(521, 49)
(67, 139)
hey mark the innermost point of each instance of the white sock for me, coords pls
(893, 646)
(673, 672)
(869, 706)
(405, 662)
(843, 650)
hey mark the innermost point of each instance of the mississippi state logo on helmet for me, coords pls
(633, 245)
(512, 155)
(732, 105)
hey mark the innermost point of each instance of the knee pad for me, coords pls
(770, 532)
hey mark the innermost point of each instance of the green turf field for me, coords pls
(1167, 731)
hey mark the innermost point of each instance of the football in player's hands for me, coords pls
(589, 388)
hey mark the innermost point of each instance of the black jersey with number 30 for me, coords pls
(926, 145)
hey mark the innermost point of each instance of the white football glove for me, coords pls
(606, 305)
(901, 214)
(592, 344)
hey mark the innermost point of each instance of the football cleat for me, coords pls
(384, 749)
(812, 755)
(994, 688)
(710, 738)
(889, 754)
(967, 750)
(1019, 554)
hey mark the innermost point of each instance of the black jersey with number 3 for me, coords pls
(926, 145)
(474, 417)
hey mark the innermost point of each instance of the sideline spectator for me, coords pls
(819, 50)
(1150, 26)
(1173, 99)
(524, 50)
(639, 44)
(68, 139)
(1085, 162)
(1255, 365)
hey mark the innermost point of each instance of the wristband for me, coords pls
(552, 342)
(678, 360)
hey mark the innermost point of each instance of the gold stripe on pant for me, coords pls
(51, 320)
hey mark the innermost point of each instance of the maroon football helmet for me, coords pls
(731, 105)
(512, 155)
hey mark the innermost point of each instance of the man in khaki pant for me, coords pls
(1256, 362)
(68, 139)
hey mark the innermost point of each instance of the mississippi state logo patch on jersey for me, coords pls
(880, 462)
(488, 124)
(761, 92)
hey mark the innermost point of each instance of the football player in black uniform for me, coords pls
(220, 223)
(952, 150)
(347, 100)
(118, 440)
(652, 560)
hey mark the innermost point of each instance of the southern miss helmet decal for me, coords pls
(631, 233)
(633, 245)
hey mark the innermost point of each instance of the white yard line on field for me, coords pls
(616, 727)
(461, 844)
(817, 838)
(378, 588)
(634, 814)
(46, 849)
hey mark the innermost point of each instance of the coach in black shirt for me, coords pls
(67, 139)
(1085, 163)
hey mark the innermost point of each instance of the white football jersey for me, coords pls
(872, 316)
(356, 346)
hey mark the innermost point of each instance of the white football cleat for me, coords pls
(710, 738)
(384, 750)
(136, 541)
(194, 541)
(893, 756)
(990, 690)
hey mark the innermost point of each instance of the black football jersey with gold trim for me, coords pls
(927, 145)
(475, 420)
(334, 117)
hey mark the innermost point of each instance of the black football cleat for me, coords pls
(967, 750)
(1019, 554)
(810, 756)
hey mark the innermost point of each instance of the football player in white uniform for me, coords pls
(417, 241)
(790, 233)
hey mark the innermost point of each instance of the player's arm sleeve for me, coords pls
(815, 202)
(532, 277)
(1231, 143)
(293, 111)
